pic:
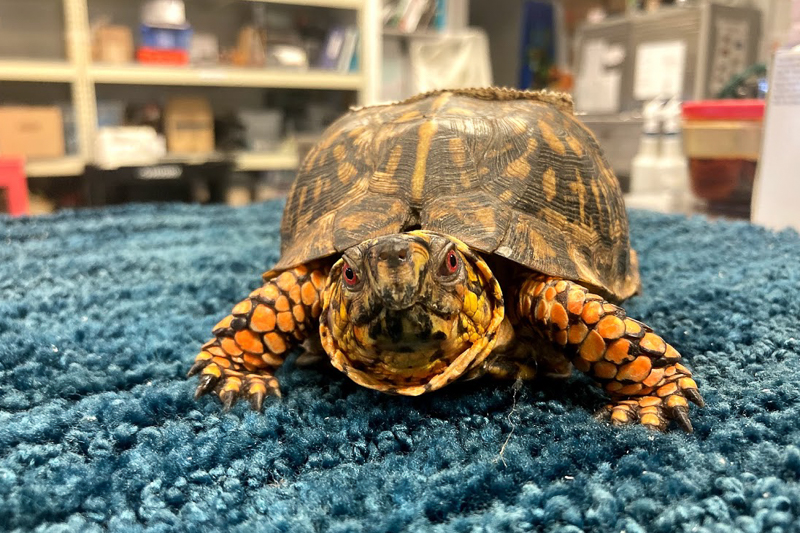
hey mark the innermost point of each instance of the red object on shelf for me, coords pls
(157, 56)
(724, 110)
(13, 180)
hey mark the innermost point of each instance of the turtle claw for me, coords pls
(206, 385)
(228, 399)
(257, 401)
(196, 367)
(694, 396)
(681, 416)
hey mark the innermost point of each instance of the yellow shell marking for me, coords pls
(520, 168)
(574, 145)
(426, 132)
(549, 183)
(345, 172)
(457, 152)
(579, 189)
(551, 138)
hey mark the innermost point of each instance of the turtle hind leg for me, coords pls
(251, 343)
(640, 371)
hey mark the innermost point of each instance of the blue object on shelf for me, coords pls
(166, 38)
(538, 47)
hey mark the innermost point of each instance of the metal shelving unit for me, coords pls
(82, 75)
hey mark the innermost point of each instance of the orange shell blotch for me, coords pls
(318, 279)
(672, 355)
(275, 343)
(649, 401)
(620, 416)
(666, 390)
(269, 292)
(636, 370)
(224, 323)
(550, 293)
(230, 347)
(632, 328)
(577, 332)
(633, 388)
(242, 308)
(650, 419)
(617, 352)
(687, 383)
(605, 370)
(263, 319)
(299, 313)
(282, 303)
(558, 316)
(222, 362)
(560, 337)
(613, 386)
(285, 322)
(286, 281)
(656, 375)
(610, 308)
(591, 312)
(248, 341)
(593, 347)
(677, 401)
(216, 350)
(539, 287)
(294, 294)
(575, 299)
(254, 361)
(561, 286)
(308, 293)
(653, 343)
(300, 270)
(541, 310)
(611, 327)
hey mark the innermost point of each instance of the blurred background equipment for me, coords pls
(252, 83)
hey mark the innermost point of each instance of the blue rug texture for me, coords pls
(102, 312)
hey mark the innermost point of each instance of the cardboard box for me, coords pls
(113, 44)
(189, 125)
(32, 132)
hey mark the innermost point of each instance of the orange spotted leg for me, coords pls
(640, 371)
(253, 341)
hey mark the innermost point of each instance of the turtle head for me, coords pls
(410, 312)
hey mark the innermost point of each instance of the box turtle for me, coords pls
(456, 234)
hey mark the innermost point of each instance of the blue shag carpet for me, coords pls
(102, 312)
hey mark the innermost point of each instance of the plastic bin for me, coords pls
(722, 140)
(166, 38)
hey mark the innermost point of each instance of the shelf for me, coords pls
(334, 4)
(32, 70)
(417, 34)
(261, 161)
(225, 77)
(59, 167)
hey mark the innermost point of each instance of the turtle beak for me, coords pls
(397, 265)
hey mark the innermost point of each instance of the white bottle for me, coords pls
(672, 165)
(644, 171)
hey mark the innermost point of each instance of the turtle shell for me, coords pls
(508, 172)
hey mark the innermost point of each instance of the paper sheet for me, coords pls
(660, 68)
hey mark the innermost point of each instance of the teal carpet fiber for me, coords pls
(102, 312)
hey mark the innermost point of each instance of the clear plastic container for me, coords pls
(722, 140)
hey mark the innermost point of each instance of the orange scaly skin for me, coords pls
(635, 366)
(253, 341)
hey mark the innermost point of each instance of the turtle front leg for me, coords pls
(253, 341)
(640, 371)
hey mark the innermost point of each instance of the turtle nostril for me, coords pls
(393, 253)
(402, 254)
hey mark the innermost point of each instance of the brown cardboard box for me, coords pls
(113, 44)
(189, 125)
(33, 132)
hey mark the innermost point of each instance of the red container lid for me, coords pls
(724, 110)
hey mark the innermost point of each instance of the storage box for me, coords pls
(113, 44)
(189, 125)
(32, 132)
(722, 139)
(166, 38)
(156, 56)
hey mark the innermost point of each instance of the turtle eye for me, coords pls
(350, 276)
(450, 264)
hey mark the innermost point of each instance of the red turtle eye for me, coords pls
(349, 274)
(450, 264)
